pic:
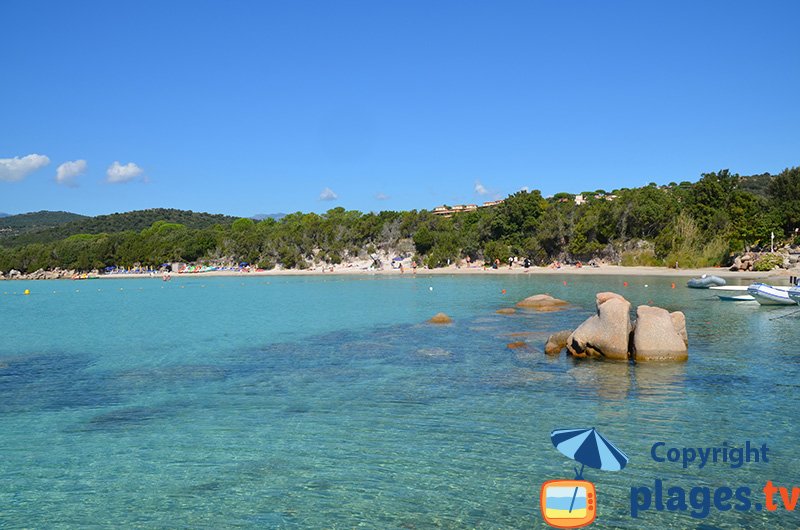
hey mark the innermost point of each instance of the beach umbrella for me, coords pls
(589, 448)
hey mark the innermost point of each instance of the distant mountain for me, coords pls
(262, 216)
(15, 225)
(3, 215)
(116, 222)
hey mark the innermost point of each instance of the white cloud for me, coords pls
(68, 171)
(328, 195)
(480, 189)
(382, 197)
(117, 173)
(14, 169)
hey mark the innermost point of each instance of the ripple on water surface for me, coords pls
(307, 403)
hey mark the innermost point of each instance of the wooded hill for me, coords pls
(46, 227)
(694, 224)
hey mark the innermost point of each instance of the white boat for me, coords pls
(732, 293)
(728, 288)
(736, 298)
(770, 295)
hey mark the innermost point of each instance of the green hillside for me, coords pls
(14, 225)
(697, 224)
(72, 224)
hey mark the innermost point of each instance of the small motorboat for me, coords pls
(732, 293)
(770, 295)
(736, 297)
(705, 281)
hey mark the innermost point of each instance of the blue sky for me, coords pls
(258, 107)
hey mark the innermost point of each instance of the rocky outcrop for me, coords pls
(543, 302)
(557, 342)
(605, 334)
(659, 335)
(41, 274)
(506, 311)
(440, 318)
(656, 335)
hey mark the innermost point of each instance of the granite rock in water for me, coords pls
(440, 318)
(605, 334)
(543, 302)
(659, 335)
(557, 342)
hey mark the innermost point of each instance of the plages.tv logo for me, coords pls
(573, 503)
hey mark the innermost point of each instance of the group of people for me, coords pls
(511, 260)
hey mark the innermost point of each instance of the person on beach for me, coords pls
(413, 267)
(401, 267)
(510, 262)
(469, 261)
(496, 264)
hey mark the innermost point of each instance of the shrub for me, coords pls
(640, 258)
(768, 262)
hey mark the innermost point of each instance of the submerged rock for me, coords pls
(440, 318)
(506, 311)
(605, 334)
(659, 335)
(517, 344)
(434, 352)
(543, 302)
(557, 342)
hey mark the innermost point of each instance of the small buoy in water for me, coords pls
(565, 282)
(645, 285)
(26, 291)
(430, 288)
(624, 284)
(673, 285)
(503, 291)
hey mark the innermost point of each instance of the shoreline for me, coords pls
(607, 270)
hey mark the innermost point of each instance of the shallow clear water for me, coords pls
(327, 402)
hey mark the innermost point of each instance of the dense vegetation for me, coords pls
(46, 227)
(693, 224)
(13, 225)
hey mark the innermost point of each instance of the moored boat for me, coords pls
(732, 293)
(736, 297)
(770, 295)
(705, 281)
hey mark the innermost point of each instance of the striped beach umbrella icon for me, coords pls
(590, 448)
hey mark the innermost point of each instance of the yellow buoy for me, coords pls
(26, 291)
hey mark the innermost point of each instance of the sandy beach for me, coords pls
(606, 270)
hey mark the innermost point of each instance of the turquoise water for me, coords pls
(327, 402)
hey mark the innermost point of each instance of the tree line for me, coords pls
(692, 224)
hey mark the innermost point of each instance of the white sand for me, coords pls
(606, 270)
